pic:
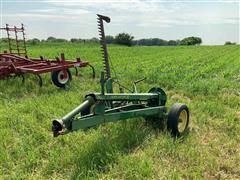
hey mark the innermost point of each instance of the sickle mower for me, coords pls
(107, 106)
(17, 63)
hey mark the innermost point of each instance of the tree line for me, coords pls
(124, 39)
(60, 40)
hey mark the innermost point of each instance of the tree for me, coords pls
(229, 43)
(51, 39)
(110, 39)
(124, 39)
(191, 41)
(60, 40)
(173, 43)
(162, 42)
(57, 40)
(144, 42)
(33, 41)
(94, 39)
(74, 40)
(157, 42)
(151, 42)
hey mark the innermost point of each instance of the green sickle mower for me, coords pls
(107, 106)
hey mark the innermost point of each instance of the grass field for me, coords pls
(206, 78)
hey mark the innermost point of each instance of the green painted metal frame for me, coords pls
(110, 106)
(94, 120)
(137, 105)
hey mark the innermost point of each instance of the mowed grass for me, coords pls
(206, 78)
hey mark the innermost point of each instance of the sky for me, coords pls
(214, 21)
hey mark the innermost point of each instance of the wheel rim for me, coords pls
(61, 78)
(182, 121)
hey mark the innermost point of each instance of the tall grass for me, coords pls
(206, 78)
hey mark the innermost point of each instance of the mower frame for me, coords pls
(107, 106)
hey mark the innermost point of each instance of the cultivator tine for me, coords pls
(76, 71)
(40, 80)
(23, 78)
(24, 40)
(93, 71)
(103, 43)
(39, 77)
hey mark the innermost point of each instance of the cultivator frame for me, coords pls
(98, 108)
(17, 63)
(15, 45)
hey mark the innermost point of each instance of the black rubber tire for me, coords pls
(56, 81)
(173, 119)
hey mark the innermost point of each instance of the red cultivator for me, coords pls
(12, 64)
(16, 65)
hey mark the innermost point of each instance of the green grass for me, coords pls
(206, 78)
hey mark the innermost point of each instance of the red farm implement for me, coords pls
(17, 63)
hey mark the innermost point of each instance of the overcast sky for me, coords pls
(214, 21)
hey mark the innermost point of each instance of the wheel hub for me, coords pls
(63, 77)
(182, 121)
